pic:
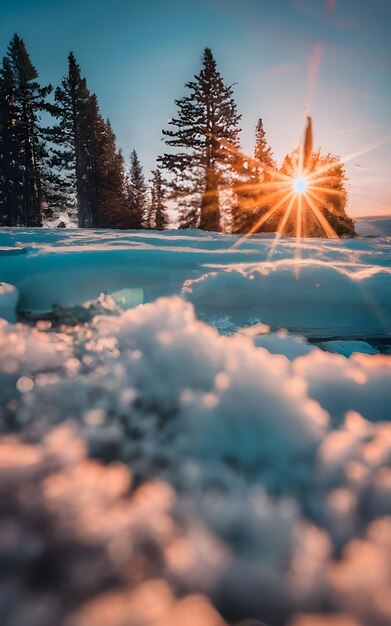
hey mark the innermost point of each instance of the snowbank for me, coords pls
(309, 297)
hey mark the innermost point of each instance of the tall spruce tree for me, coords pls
(206, 122)
(22, 139)
(10, 161)
(69, 156)
(262, 151)
(88, 170)
(250, 204)
(157, 212)
(109, 193)
(137, 194)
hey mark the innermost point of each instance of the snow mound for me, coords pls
(309, 297)
(248, 484)
(8, 301)
(361, 383)
(222, 394)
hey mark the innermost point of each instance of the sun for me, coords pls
(293, 194)
(300, 184)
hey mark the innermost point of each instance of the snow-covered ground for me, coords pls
(335, 289)
(219, 453)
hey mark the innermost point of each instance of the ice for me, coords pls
(347, 348)
(280, 342)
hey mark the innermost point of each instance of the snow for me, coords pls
(168, 453)
(8, 302)
(315, 298)
(336, 289)
(360, 383)
(347, 348)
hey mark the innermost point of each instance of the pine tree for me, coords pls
(110, 198)
(71, 156)
(250, 195)
(10, 163)
(157, 212)
(22, 137)
(207, 121)
(333, 205)
(88, 170)
(137, 194)
(262, 151)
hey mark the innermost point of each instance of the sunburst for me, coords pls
(303, 188)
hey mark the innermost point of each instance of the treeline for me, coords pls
(68, 171)
(60, 165)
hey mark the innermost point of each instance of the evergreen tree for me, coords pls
(250, 194)
(10, 163)
(22, 138)
(207, 121)
(88, 170)
(137, 194)
(69, 157)
(262, 151)
(332, 205)
(157, 213)
(110, 197)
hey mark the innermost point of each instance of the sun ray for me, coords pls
(303, 187)
(281, 226)
(328, 229)
(373, 146)
(264, 218)
(299, 223)
(327, 190)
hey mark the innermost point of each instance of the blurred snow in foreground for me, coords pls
(154, 472)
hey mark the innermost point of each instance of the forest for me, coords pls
(60, 164)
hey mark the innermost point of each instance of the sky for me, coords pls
(287, 58)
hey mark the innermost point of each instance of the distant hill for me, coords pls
(374, 226)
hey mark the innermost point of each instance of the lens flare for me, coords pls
(293, 199)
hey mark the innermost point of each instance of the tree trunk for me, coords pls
(210, 207)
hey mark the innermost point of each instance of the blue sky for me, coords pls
(137, 55)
